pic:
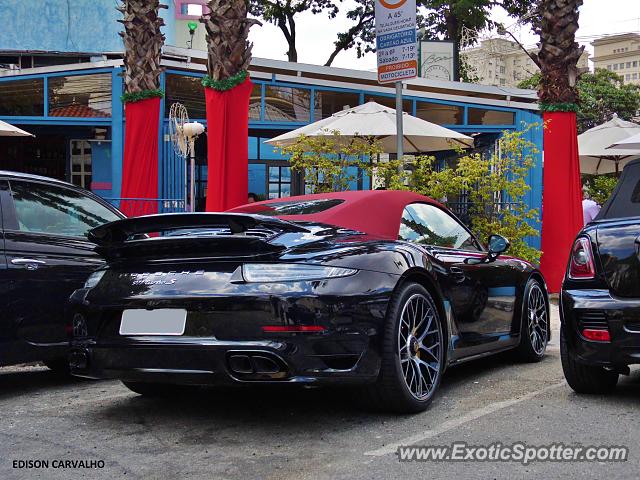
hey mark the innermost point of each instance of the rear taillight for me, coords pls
(596, 335)
(581, 265)
(292, 328)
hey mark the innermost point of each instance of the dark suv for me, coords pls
(600, 299)
(44, 257)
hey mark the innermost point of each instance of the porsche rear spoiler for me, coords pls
(238, 223)
(126, 238)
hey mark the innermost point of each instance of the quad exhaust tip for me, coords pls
(248, 365)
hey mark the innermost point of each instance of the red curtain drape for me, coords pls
(562, 195)
(227, 146)
(140, 164)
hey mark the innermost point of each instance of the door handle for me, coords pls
(29, 263)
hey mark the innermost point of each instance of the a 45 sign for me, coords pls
(396, 27)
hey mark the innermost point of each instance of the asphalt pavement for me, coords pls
(310, 434)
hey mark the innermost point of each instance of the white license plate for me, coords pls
(162, 321)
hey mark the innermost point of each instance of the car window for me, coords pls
(43, 208)
(297, 207)
(430, 225)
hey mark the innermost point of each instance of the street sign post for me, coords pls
(396, 40)
(397, 50)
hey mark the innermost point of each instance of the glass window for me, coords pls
(439, 113)
(187, 91)
(22, 97)
(57, 211)
(480, 116)
(80, 96)
(389, 102)
(279, 182)
(328, 103)
(430, 225)
(258, 179)
(308, 207)
(287, 104)
(80, 156)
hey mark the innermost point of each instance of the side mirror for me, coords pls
(497, 245)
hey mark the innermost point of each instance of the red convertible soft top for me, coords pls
(375, 212)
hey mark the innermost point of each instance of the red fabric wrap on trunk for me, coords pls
(562, 195)
(227, 146)
(140, 164)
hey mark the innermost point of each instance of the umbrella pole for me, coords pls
(399, 130)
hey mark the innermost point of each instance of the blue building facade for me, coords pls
(88, 26)
(77, 115)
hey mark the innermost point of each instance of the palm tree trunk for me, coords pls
(557, 24)
(143, 43)
(227, 27)
(227, 97)
(559, 53)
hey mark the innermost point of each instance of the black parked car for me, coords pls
(380, 289)
(44, 257)
(600, 299)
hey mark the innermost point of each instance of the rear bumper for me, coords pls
(200, 361)
(597, 306)
(224, 340)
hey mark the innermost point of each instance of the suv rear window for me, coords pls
(625, 199)
(300, 207)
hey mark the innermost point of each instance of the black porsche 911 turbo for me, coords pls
(381, 290)
(600, 298)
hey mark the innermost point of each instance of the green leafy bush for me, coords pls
(600, 187)
(492, 188)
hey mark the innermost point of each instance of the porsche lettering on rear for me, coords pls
(159, 278)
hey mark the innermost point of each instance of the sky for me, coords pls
(316, 33)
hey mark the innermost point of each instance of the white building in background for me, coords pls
(620, 54)
(501, 62)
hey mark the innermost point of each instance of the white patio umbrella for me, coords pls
(378, 121)
(631, 143)
(593, 146)
(8, 130)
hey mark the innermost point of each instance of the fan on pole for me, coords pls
(183, 136)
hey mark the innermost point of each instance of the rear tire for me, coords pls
(589, 379)
(412, 354)
(158, 390)
(534, 329)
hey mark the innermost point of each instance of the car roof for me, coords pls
(28, 176)
(376, 212)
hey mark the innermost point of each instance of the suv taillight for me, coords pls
(581, 265)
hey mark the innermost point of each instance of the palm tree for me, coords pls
(227, 99)
(556, 24)
(143, 43)
(227, 25)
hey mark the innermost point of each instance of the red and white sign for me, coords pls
(396, 40)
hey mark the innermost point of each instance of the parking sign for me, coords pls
(396, 40)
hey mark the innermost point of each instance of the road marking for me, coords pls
(457, 422)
